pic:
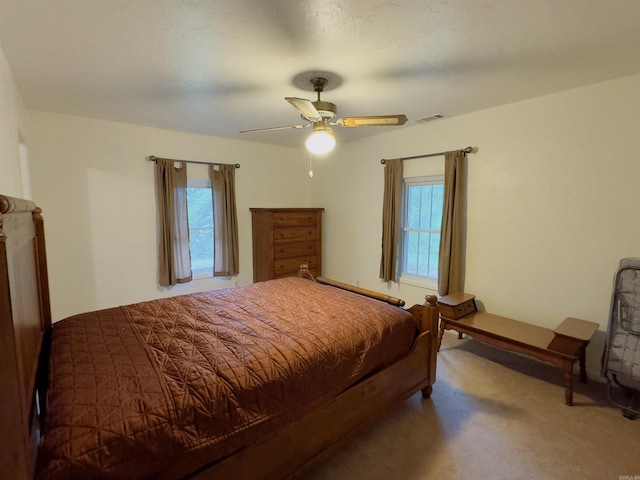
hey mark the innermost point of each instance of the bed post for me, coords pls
(427, 317)
(43, 275)
(25, 317)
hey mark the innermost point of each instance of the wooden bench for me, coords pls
(563, 347)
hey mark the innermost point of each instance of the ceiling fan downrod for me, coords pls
(318, 85)
(326, 109)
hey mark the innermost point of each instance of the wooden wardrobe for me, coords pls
(284, 238)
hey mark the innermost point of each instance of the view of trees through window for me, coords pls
(200, 211)
(423, 221)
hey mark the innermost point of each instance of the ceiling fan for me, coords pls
(321, 116)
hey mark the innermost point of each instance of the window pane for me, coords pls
(421, 236)
(425, 207)
(428, 262)
(434, 251)
(413, 207)
(200, 211)
(201, 245)
(200, 207)
(411, 252)
(437, 204)
(423, 254)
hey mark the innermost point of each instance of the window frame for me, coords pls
(408, 278)
(201, 272)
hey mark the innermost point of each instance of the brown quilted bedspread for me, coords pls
(160, 389)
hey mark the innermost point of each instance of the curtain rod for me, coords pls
(153, 158)
(465, 150)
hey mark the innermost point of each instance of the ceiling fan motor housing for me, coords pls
(326, 109)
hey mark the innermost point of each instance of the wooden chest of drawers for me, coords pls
(284, 238)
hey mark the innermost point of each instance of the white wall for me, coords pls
(12, 126)
(96, 189)
(552, 204)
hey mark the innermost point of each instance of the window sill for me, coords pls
(200, 274)
(417, 281)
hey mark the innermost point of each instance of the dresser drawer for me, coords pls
(298, 249)
(290, 266)
(291, 219)
(294, 234)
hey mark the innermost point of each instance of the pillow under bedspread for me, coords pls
(158, 389)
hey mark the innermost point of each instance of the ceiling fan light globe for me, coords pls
(320, 142)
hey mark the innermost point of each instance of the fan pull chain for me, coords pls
(310, 166)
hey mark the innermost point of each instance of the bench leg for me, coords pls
(583, 367)
(567, 370)
(441, 333)
(443, 327)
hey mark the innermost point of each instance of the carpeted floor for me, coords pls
(494, 415)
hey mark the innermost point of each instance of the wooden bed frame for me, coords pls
(25, 328)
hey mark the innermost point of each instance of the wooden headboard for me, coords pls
(25, 325)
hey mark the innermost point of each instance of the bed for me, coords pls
(260, 381)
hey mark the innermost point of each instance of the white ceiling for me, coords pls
(217, 67)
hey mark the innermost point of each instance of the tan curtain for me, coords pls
(174, 254)
(225, 220)
(391, 211)
(451, 262)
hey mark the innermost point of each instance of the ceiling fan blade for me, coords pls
(270, 129)
(372, 121)
(305, 107)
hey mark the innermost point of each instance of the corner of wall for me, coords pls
(13, 174)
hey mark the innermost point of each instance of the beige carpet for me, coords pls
(494, 415)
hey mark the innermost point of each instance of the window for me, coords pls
(200, 211)
(422, 220)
